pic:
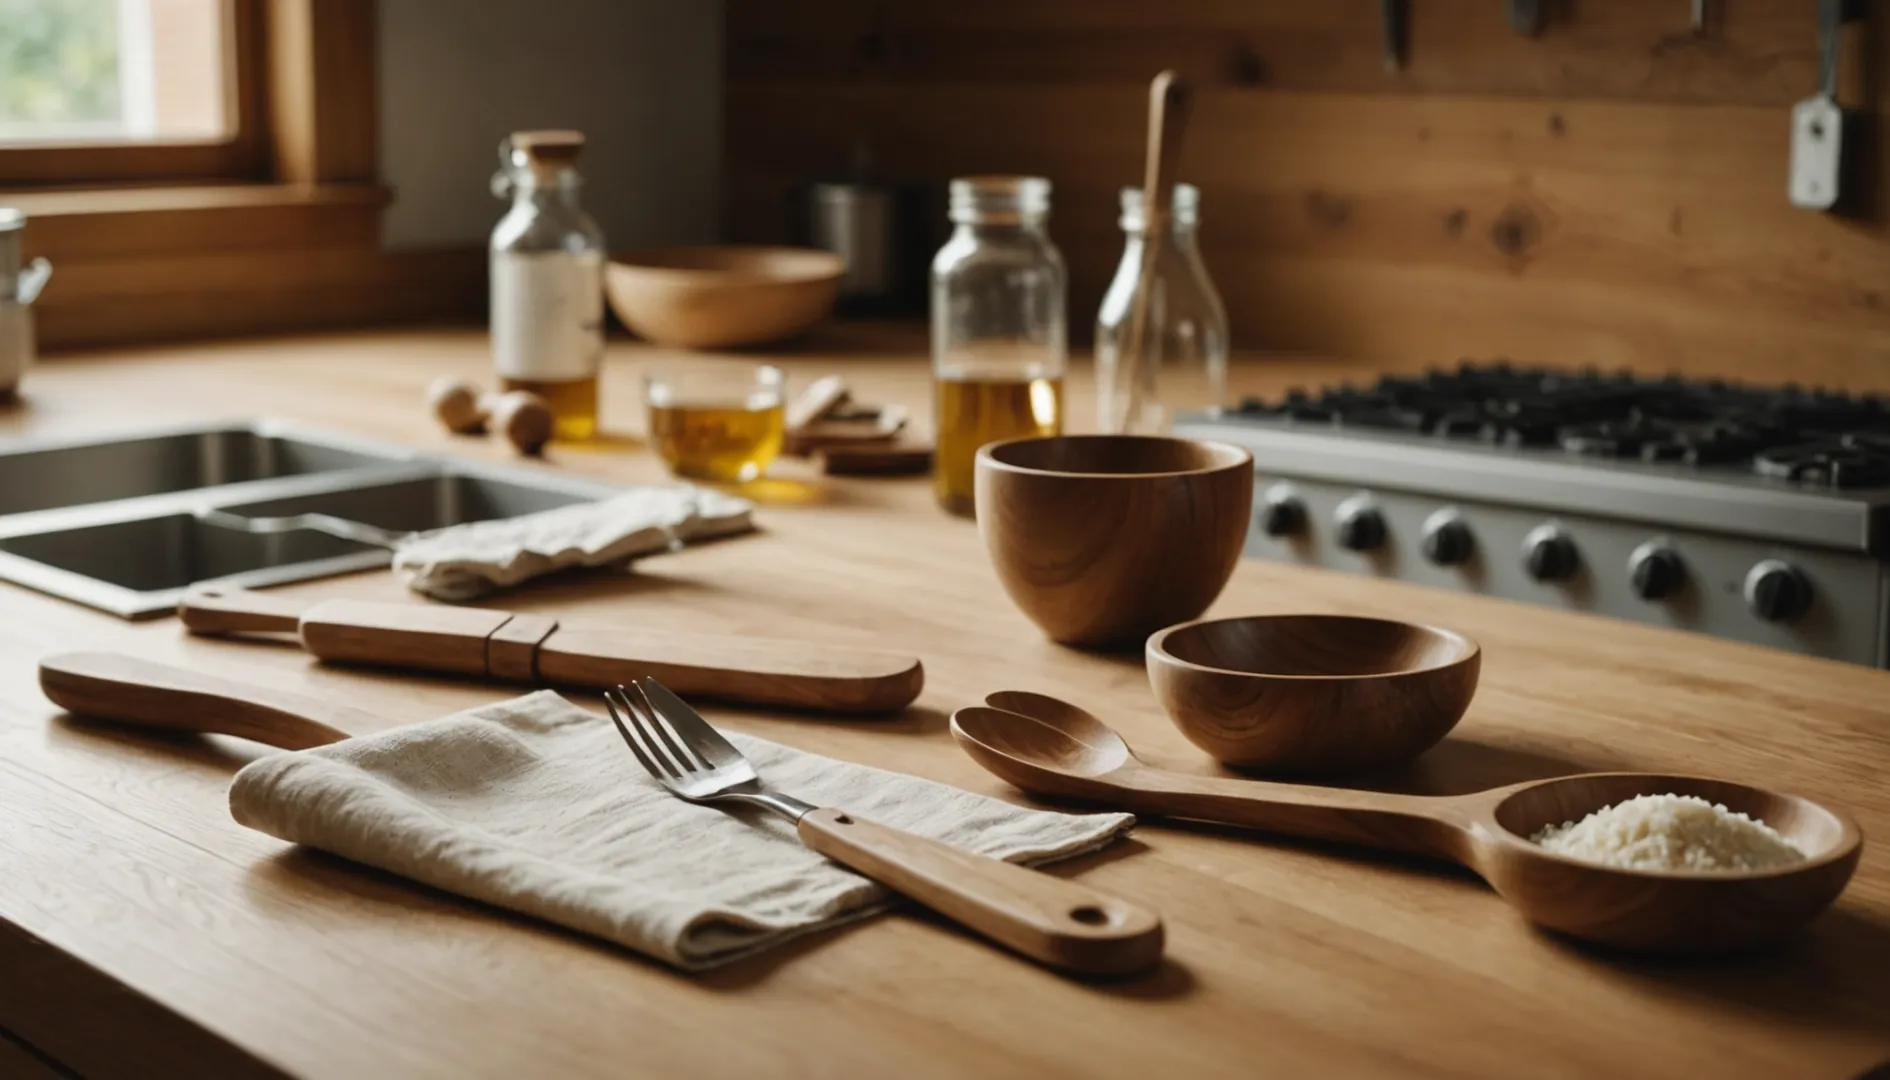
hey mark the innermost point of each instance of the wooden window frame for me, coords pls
(242, 156)
(305, 106)
(275, 230)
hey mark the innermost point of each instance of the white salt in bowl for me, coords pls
(1685, 911)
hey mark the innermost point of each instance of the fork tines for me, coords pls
(649, 734)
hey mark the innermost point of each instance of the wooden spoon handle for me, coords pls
(758, 670)
(1421, 824)
(1169, 100)
(1062, 923)
(124, 688)
(212, 610)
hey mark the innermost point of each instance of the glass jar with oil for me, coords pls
(998, 327)
(715, 421)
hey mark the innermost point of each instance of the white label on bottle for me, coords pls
(547, 314)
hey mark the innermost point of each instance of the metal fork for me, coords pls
(1062, 923)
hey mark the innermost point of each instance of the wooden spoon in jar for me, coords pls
(1047, 746)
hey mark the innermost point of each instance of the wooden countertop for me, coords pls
(144, 933)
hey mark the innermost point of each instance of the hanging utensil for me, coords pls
(1818, 122)
(1393, 18)
(1526, 16)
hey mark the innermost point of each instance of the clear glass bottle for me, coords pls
(999, 327)
(1186, 368)
(547, 267)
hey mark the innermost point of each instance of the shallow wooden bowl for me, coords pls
(1313, 694)
(1660, 910)
(713, 297)
(1102, 539)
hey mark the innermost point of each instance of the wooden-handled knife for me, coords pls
(538, 649)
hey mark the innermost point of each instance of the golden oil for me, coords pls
(971, 409)
(573, 404)
(731, 443)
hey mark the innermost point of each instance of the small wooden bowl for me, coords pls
(1678, 911)
(1103, 539)
(1313, 694)
(714, 297)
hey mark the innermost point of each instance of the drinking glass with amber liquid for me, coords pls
(718, 422)
(998, 327)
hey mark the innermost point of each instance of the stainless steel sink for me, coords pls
(43, 477)
(418, 504)
(120, 524)
(160, 554)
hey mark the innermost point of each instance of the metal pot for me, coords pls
(865, 224)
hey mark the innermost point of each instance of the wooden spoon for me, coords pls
(1051, 747)
(1169, 99)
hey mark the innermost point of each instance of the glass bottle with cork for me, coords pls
(547, 267)
(998, 327)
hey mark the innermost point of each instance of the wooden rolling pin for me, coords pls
(537, 649)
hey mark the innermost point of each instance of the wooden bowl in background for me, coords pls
(1103, 539)
(712, 297)
(1313, 694)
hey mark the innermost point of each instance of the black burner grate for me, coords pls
(1814, 437)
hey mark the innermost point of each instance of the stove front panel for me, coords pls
(1843, 618)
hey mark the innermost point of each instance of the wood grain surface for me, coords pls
(1312, 695)
(145, 933)
(1609, 191)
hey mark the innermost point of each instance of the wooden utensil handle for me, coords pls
(761, 671)
(1420, 824)
(1064, 924)
(124, 688)
(1168, 106)
(214, 610)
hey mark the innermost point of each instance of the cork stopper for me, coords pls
(548, 148)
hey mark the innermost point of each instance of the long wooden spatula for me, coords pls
(539, 649)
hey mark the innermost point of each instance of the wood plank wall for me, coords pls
(1612, 191)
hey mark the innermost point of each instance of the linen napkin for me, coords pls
(538, 806)
(467, 561)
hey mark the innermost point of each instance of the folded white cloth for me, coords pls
(538, 806)
(468, 561)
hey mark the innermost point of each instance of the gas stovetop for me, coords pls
(1811, 437)
(1755, 512)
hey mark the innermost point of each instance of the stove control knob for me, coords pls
(1549, 554)
(1361, 525)
(1656, 571)
(1777, 591)
(1283, 513)
(1447, 539)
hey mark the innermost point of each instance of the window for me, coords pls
(206, 167)
(112, 90)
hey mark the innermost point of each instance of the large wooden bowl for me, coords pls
(716, 297)
(1103, 539)
(1313, 694)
